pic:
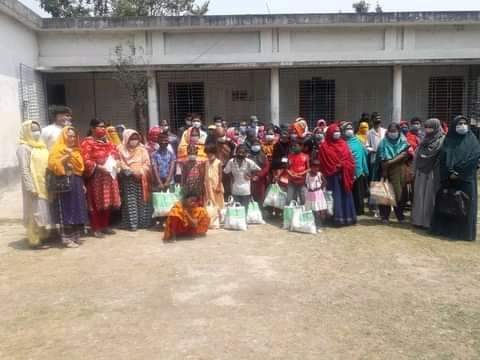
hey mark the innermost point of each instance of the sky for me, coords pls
(225, 7)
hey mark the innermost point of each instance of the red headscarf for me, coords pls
(335, 156)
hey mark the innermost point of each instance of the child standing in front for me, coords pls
(315, 198)
(298, 167)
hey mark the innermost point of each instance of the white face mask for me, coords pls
(165, 128)
(197, 124)
(36, 134)
(192, 157)
(337, 135)
(256, 148)
(270, 137)
(461, 129)
(222, 140)
(349, 133)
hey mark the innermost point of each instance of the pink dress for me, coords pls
(315, 199)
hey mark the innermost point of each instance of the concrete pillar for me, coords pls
(275, 96)
(397, 93)
(153, 113)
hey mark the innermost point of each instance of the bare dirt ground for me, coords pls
(364, 292)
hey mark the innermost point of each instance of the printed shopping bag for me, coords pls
(304, 222)
(276, 197)
(163, 202)
(235, 217)
(382, 193)
(254, 214)
(288, 212)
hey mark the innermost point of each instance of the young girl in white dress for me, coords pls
(315, 198)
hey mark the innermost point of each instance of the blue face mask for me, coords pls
(404, 130)
(461, 129)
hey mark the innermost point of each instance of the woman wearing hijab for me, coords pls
(135, 182)
(101, 166)
(459, 158)
(112, 136)
(321, 126)
(66, 160)
(32, 156)
(338, 166)
(392, 157)
(427, 174)
(360, 155)
(260, 179)
(152, 139)
(362, 133)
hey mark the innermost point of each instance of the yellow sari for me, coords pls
(60, 149)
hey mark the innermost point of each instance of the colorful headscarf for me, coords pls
(335, 156)
(60, 149)
(362, 133)
(112, 135)
(359, 152)
(390, 149)
(38, 158)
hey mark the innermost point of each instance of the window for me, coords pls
(185, 98)
(240, 95)
(445, 97)
(317, 100)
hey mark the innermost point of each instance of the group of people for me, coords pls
(70, 182)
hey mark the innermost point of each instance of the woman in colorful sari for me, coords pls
(32, 156)
(135, 182)
(427, 174)
(362, 133)
(152, 139)
(338, 166)
(186, 219)
(391, 165)
(192, 136)
(193, 174)
(360, 153)
(66, 160)
(101, 167)
(214, 191)
(459, 158)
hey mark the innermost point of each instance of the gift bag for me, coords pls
(382, 193)
(162, 203)
(329, 200)
(303, 221)
(178, 191)
(254, 214)
(276, 197)
(213, 214)
(235, 217)
(288, 212)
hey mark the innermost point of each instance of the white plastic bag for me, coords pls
(304, 222)
(163, 202)
(235, 217)
(276, 197)
(111, 167)
(254, 214)
(329, 200)
(213, 214)
(288, 212)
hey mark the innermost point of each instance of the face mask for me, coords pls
(188, 123)
(337, 135)
(243, 129)
(68, 123)
(197, 124)
(415, 127)
(165, 128)
(461, 129)
(270, 137)
(100, 132)
(36, 134)
(133, 143)
(319, 137)
(222, 139)
(349, 133)
(393, 135)
(256, 148)
(162, 146)
(218, 125)
(192, 157)
(296, 149)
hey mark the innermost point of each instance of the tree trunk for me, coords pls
(141, 118)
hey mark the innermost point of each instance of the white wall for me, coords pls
(218, 92)
(358, 90)
(18, 45)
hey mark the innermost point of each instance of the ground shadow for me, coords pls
(22, 245)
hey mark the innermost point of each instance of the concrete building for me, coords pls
(332, 66)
